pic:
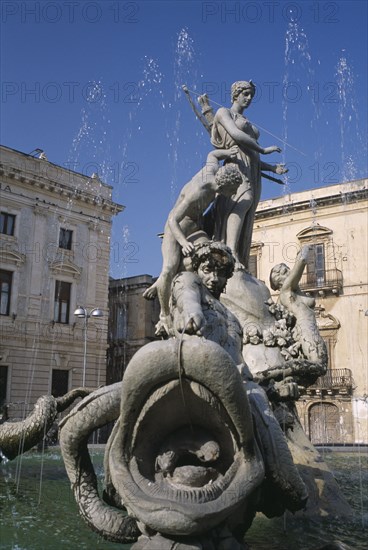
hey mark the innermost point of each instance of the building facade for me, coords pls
(132, 321)
(54, 257)
(333, 222)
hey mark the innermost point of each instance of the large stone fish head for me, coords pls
(182, 456)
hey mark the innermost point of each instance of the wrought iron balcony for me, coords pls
(329, 280)
(335, 381)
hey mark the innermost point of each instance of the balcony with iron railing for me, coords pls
(330, 280)
(335, 381)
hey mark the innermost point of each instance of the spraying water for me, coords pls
(298, 89)
(185, 71)
(351, 141)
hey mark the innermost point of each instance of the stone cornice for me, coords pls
(8, 256)
(129, 286)
(310, 233)
(65, 267)
(69, 192)
(281, 209)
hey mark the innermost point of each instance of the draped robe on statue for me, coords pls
(249, 191)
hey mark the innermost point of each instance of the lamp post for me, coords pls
(83, 313)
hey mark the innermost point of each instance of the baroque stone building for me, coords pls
(333, 221)
(54, 257)
(132, 321)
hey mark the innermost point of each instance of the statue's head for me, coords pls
(228, 179)
(278, 275)
(240, 86)
(214, 264)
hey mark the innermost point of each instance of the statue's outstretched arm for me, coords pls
(176, 215)
(275, 168)
(293, 279)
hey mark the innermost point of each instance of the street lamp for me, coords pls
(83, 313)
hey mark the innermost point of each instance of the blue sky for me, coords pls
(97, 85)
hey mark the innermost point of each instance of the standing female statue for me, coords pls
(235, 215)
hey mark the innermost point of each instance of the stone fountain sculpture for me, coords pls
(206, 428)
(196, 450)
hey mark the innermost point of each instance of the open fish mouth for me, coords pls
(182, 455)
(197, 419)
